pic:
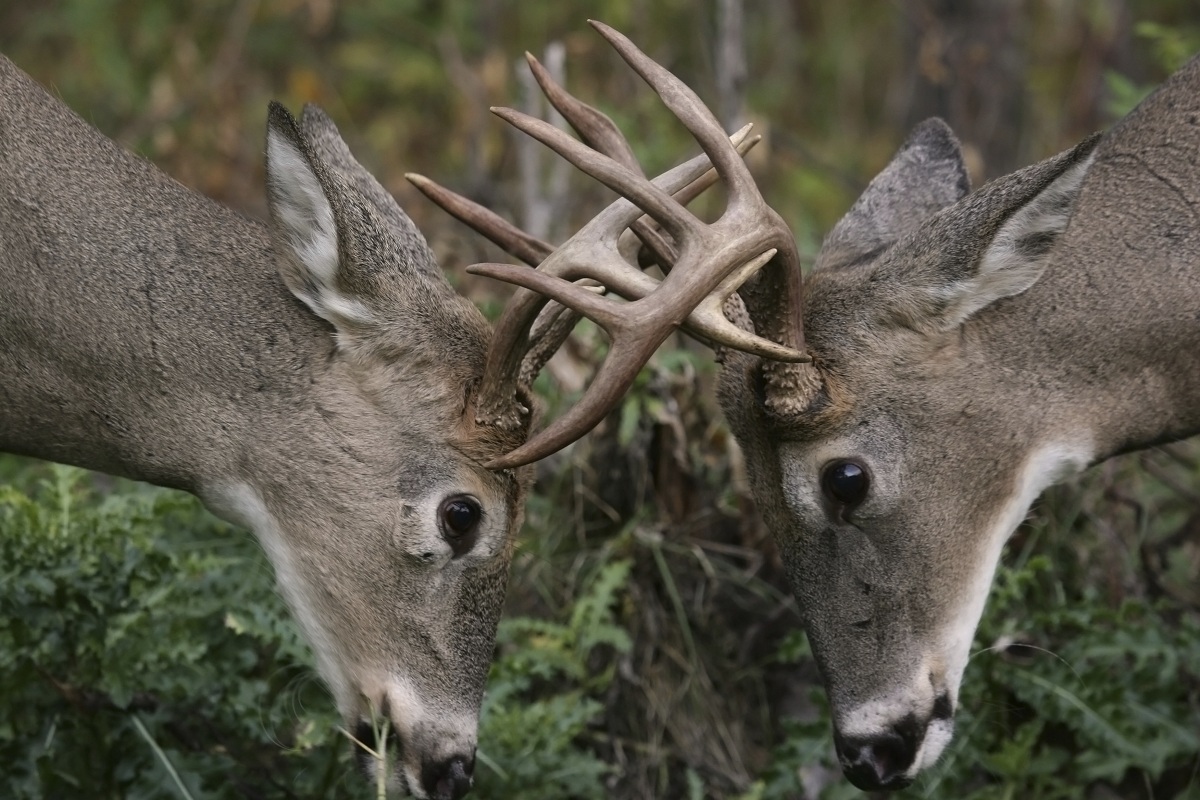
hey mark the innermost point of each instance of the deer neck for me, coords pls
(1108, 342)
(163, 362)
(144, 330)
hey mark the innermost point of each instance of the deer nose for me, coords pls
(450, 779)
(879, 762)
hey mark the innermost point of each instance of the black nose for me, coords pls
(878, 763)
(448, 780)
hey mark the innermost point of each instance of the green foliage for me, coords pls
(140, 636)
(545, 690)
(1112, 695)
(1170, 45)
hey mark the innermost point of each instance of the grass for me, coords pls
(381, 728)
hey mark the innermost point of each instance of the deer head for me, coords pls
(890, 532)
(421, 410)
(394, 554)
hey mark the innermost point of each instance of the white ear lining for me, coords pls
(305, 217)
(302, 208)
(1018, 253)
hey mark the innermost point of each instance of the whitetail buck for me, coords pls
(350, 414)
(967, 351)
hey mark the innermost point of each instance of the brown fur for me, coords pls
(947, 383)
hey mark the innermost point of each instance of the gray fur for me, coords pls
(145, 332)
(925, 176)
(965, 393)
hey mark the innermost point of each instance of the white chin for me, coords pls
(937, 736)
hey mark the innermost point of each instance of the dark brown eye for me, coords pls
(845, 483)
(460, 518)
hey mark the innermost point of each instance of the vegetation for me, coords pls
(651, 648)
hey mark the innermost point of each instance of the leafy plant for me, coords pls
(145, 654)
(546, 688)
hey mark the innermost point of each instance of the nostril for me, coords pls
(892, 756)
(450, 779)
(878, 762)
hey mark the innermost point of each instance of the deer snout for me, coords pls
(879, 762)
(889, 758)
(449, 779)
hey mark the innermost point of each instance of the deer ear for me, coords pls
(926, 175)
(1019, 252)
(995, 244)
(322, 134)
(303, 226)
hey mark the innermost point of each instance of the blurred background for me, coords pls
(651, 648)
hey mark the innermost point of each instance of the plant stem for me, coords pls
(166, 762)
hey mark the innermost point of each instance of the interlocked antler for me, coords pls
(710, 261)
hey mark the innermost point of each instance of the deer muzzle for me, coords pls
(890, 757)
(449, 779)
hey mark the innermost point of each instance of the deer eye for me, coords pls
(460, 517)
(845, 483)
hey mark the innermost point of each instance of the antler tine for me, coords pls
(741, 142)
(501, 232)
(744, 199)
(688, 108)
(651, 199)
(594, 127)
(568, 293)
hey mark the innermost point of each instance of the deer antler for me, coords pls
(596, 129)
(710, 261)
